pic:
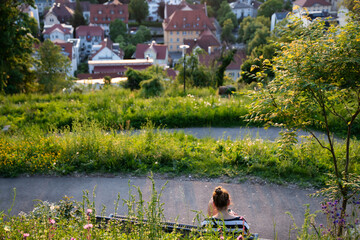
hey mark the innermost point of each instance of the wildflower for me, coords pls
(26, 235)
(88, 226)
(222, 237)
(240, 237)
(73, 238)
(88, 211)
(52, 221)
(7, 228)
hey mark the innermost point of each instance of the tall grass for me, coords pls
(113, 107)
(88, 148)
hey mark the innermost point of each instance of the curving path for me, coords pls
(264, 205)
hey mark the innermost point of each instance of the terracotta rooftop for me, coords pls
(66, 47)
(208, 60)
(104, 14)
(160, 50)
(170, 9)
(60, 27)
(205, 40)
(62, 12)
(188, 20)
(89, 31)
(310, 3)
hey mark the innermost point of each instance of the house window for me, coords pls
(171, 40)
(112, 11)
(171, 47)
(177, 32)
(99, 12)
(184, 32)
(121, 12)
(184, 18)
(177, 40)
(171, 33)
(96, 19)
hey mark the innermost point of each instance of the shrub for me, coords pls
(152, 87)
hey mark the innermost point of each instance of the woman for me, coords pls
(222, 216)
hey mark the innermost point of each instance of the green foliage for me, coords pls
(249, 26)
(226, 58)
(152, 87)
(134, 78)
(16, 53)
(224, 13)
(129, 51)
(143, 34)
(78, 18)
(317, 79)
(107, 80)
(139, 10)
(226, 34)
(53, 68)
(118, 28)
(270, 7)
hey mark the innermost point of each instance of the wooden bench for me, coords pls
(166, 226)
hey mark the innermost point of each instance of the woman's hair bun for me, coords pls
(218, 190)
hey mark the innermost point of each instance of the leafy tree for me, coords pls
(129, 51)
(134, 78)
(316, 82)
(161, 9)
(259, 39)
(226, 34)
(152, 87)
(16, 59)
(249, 26)
(270, 7)
(78, 18)
(53, 68)
(139, 10)
(226, 58)
(143, 34)
(117, 28)
(225, 13)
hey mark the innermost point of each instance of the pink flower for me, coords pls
(88, 226)
(222, 237)
(73, 238)
(89, 211)
(240, 237)
(26, 235)
(52, 221)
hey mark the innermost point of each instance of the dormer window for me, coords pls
(197, 19)
(121, 12)
(174, 25)
(112, 11)
(99, 12)
(184, 18)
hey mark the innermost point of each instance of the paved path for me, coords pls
(263, 205)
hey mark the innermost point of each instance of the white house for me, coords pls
(42, 5)
(71, 49)
(89, 36)
(58, 31)
(245, 8)
(157, 52)
(301, 6)
(153, 10)
(106, 51)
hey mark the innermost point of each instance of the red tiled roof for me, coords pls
(310, 3)
(121, 68)
(89, 31)
(183, 20)
(66, 47)
(170, 9)
(159, 49)
(104, 14)
(205, 40)
(62, 12)
(208, 60)
(57, 26)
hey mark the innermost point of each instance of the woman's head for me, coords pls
(221, 198)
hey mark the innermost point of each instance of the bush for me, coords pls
(152, 87)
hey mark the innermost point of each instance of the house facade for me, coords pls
(301, 6)
(245, 8)
(103, 14)
(89, 36)
(58, 13)
(206, 41)
(157, 52)
(117, 67)
(187, 22)
(58, 31)
(107, 50)
(71, 49)
(42, 5)
(276, 18)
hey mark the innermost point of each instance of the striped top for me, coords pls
(234, 225)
